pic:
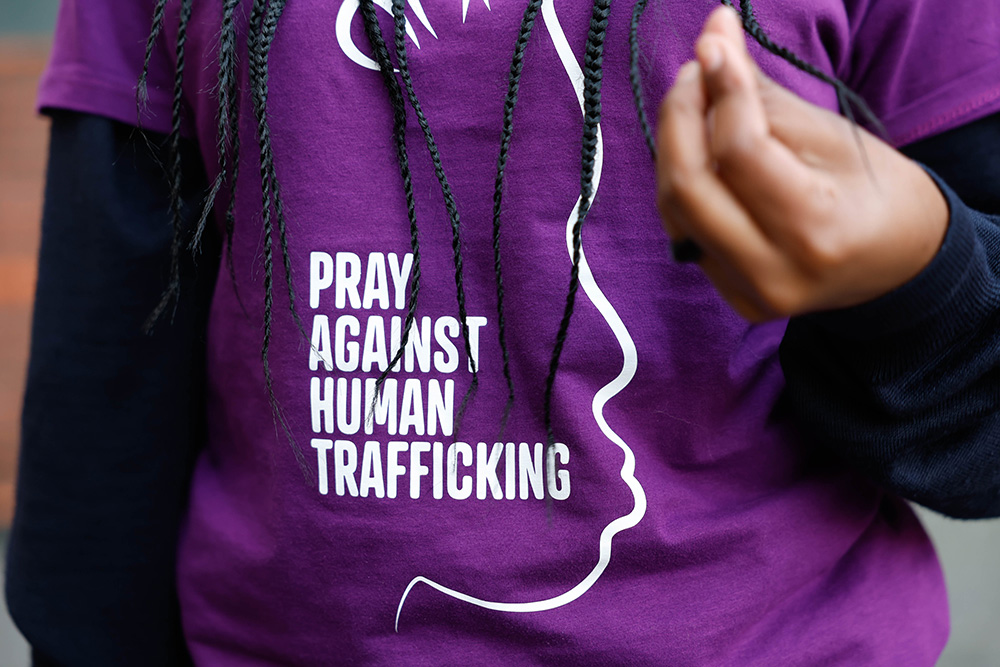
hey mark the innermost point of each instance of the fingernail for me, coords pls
(732, 15)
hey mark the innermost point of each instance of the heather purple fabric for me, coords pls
(690, 523)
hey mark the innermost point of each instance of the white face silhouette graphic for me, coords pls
(574, 72)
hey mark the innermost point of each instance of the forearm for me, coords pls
(112, 416)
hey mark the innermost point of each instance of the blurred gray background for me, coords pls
(970, 551)
(27, 17)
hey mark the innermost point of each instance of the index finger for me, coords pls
(710, 213)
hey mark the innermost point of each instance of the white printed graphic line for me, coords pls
(349, 9)
(422, 16)
(345, 15)
(465, 8)
(606, 393)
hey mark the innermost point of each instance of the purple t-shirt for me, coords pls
(689, 521)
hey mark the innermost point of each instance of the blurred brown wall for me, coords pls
(23, 139)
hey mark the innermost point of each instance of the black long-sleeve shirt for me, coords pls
(112, 417)
(906, 387)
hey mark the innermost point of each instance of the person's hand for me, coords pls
(777, 192)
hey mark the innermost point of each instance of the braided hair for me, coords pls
(593, 73)
(506, 133)
(264, 18)
(374, 33)
(399, 34)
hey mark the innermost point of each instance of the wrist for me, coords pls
(945, 295)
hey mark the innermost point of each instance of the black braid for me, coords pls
(233, 113)
(262, 30)
(254, 39)
(592, 82)
(279, 214)
(270, 187)
(635, 75)
(227, 77)
(846, 98)
(399, 25)
(374, 33)
(141, 92)
(510, 102)
(172, 293)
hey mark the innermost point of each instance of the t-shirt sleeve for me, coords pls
(97, 55)
(924, 66)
